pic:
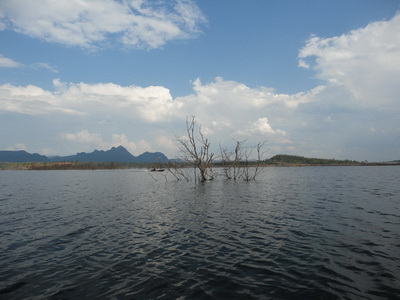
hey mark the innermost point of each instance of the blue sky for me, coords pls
(313, 78)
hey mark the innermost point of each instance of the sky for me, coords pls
(315, 78)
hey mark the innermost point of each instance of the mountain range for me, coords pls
(115, 154)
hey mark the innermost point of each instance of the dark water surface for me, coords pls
(296, 233)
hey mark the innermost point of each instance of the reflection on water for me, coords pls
(304, 233)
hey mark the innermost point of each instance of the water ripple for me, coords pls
(297, 233)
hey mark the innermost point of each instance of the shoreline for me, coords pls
(48, 166)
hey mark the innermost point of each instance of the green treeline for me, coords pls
(277, 160)
(283, 159)
(75, 165)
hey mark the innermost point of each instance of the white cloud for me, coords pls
(226, 110)
(366, 61)
(326, 120)
(151, 104)
(9, 63)
(84, 136)
(45, 66)
(88, 24)
(233, 96)
(31, 100)
(260, 127)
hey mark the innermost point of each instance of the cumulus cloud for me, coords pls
(320, 121)
(366, 61)
(226, 109)
(83, 23)
(9, 63)
(219, 105)
(355, 112)
(260, 127)
(151, 104)
(31, 100)
(235, 96)
(361, 70)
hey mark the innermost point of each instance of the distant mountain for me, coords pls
(152, 157)
(21, 156)
(115, 154)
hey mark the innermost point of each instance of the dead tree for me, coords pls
(232, 161)
(178, 172)
(195, 149)
(253, 168)
(239, 164)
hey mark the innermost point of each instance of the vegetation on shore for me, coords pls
(281, 160)
(72, 165)
(285, 160)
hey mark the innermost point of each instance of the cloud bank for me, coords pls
(366, 61)
(227, 109)
(82, 23)
(354, 114)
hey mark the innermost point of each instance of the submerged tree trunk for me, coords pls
(237, 164)
(195, 149)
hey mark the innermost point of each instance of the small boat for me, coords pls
(156, 170)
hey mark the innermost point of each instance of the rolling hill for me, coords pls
(115, 154)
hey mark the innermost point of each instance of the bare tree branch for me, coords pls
(195, 149)
(237, 164)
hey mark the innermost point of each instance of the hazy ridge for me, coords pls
(115, 154)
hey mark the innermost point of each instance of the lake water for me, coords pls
(295, 233)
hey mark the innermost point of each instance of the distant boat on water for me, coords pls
(156, 170)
